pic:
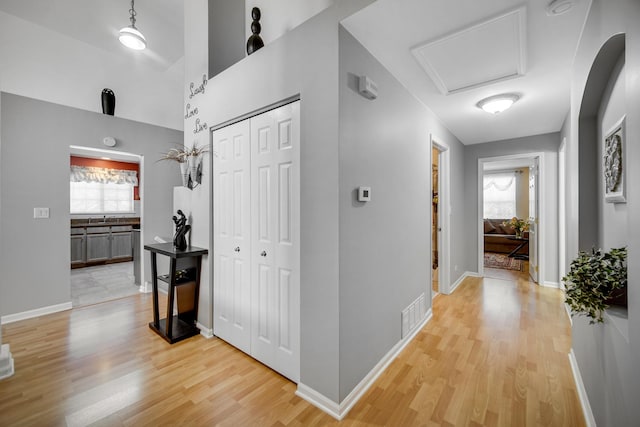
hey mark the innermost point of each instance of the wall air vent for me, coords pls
(413, 315)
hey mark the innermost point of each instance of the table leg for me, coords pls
(196, 293)
(154, 281)
(513, 253)
(171, 291)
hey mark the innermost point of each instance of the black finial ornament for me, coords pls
(255, 42)
(108, 102)
(182, 228)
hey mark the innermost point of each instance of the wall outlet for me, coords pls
(40, 213)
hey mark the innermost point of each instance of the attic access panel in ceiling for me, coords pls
(478, 55)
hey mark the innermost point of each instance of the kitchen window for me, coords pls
(96, 197)
(100, 191)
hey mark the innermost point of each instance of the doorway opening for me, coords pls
(509, 217)
(106, 204)
(439, 224)
(434, 220)
(562, 211)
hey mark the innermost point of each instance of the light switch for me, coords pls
(41, 212)
(364, 194)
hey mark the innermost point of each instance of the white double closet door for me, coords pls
(256, 223)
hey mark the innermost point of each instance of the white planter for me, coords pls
(184, 171)
(194, 162)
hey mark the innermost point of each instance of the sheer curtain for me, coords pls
(103, 175)
(500, 195)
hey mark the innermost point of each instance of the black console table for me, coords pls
(184, 282)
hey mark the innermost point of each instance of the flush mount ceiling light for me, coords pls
(499, 103)
(130, 36)
(558, 7)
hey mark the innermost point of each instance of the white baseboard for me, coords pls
(339, 411)
(145, 288)
(204, 331)
(547, 284)
(10, 318)
(319, 401)
(568, 310)
(461, 279)
(582, 392)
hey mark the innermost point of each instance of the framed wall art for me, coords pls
(613, 163)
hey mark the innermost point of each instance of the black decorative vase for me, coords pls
(255, 42)
(108, 102)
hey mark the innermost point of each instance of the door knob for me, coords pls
(263, 253)
(237, 249)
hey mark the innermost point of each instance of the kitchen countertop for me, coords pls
(100, 222)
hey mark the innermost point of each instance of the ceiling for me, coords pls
(451, 54)
(97, 23)
(439, 50)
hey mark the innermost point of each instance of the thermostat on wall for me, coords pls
(364, 194)
(367, 87)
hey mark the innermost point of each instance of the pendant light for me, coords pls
(130, 36)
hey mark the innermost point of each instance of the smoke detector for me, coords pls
(109, 141)
(558, 7)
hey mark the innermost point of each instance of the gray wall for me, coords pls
(227, 41)
(547, 144)
(303, 62)
(385, 244)
(608, 354)
(614, 229)
(522, 193)
(34, 156)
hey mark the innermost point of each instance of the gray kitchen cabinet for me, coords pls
(121, 245)
(102, 244)
(78, 249)
(98, 247)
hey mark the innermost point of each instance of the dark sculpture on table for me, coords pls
(182, 228)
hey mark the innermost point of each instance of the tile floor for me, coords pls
(92, 285)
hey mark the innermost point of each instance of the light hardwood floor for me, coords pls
(500, 273)
(494, 354)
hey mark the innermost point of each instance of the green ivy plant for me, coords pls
(592, 279)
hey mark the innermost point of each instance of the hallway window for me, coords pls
(499, 191)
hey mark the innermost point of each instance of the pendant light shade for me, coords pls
(130, 36)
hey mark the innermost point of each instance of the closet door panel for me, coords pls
(275, 179)
(232, 235)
